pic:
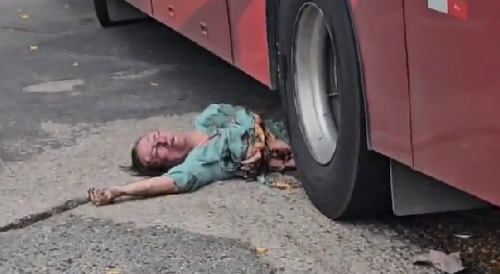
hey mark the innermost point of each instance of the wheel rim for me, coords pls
(317, 96)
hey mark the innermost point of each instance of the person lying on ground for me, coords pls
(228, 142)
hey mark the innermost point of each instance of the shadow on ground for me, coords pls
(118, 65)
(189, 77)
(155, 44)
(475, 234)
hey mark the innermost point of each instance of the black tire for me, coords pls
(103, 12)
(355, 183)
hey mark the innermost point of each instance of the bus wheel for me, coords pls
(106, 9)
(321, 84)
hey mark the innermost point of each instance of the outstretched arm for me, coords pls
(150, 187)
(187, 177)
(155, 186)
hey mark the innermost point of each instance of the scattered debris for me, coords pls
(75, 64)
(154, 84)
(282, 185)
(33, 47)
(24, 16)
(3, 167)
(261, 250)
(131, 75)
(463, 236)
(448, 263)
(279, 181)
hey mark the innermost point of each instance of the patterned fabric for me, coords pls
(233, 130)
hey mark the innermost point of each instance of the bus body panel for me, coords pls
(234, 30)
(455, 94)
(249, 37)
(205, 22)
(163, 11)
(144, 5)
(380, 31)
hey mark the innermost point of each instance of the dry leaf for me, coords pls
(282, 185)
(114, 271)
(261, 250)
(448, 263)
(24, 16)
(154, 84)
(33, 47)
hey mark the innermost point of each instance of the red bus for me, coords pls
(391, 105)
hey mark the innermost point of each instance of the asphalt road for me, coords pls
(73, 98)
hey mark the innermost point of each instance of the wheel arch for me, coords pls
(361, 72)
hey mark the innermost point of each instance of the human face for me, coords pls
(162, 149)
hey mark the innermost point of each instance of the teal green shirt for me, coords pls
(231, 128)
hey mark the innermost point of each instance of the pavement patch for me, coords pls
(55, 86)
(71, 244)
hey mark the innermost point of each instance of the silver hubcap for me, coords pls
(317, 98)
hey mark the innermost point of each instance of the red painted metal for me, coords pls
(454, 83)
(249, 36)
(144, 5)
(235, 30)
(458, 8)
(163, 11)
(205, 22)
(380, 30)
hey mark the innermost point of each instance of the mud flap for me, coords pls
(414, 193)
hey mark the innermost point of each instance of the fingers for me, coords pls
(259, 146)
(98, 197)
(280, 145)
(256, 157)
(94, 196)
(91, 195)
(252, 150)
(276, 164)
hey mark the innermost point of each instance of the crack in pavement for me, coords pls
(26, 30)
(31, 219)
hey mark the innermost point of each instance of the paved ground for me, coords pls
(73, 99)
